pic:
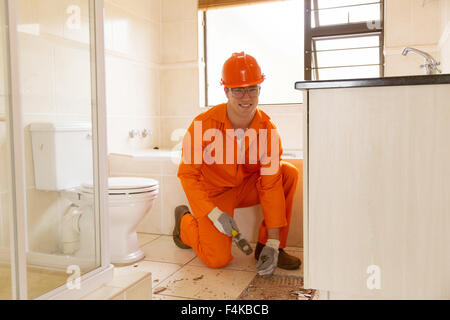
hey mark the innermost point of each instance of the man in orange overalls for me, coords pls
(232, 159)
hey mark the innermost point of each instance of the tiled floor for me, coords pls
(39, 281)
(179, 274)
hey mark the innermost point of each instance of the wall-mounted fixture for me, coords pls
(430, 63)
(133, 133)
(145, 133)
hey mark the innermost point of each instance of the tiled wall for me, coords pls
(180, 96)
(152, 76)
(419, 24)
(444, 42)
(55, 75)
(179, 69)
(133, 63)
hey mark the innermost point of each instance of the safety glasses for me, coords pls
(239, 93)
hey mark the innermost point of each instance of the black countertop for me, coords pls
(374, 82)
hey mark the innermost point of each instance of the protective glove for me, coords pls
(223, 221)
(268, 258)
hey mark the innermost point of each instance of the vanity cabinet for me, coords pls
(377, 191)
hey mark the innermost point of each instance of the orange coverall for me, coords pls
(232, 185)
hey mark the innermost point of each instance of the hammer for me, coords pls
(241, 243)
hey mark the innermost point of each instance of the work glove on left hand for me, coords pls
(268, 258)
(223, 222)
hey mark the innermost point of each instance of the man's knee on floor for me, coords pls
(215, 262)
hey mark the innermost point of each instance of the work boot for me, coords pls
(180, 211)
(285, 260)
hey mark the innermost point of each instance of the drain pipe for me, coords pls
(71, 230)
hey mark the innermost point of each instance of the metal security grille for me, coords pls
(344, 41)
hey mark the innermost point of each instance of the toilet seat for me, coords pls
(126, 186)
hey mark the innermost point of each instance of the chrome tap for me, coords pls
(430, 63)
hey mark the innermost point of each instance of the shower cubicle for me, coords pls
(51, 70)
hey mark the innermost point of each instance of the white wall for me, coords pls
(180, 96)
(179, 68)
(152, 76)
(133, 62)
(55, 81)
(414, 23)
(444, 41)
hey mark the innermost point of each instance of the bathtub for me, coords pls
(162, 165)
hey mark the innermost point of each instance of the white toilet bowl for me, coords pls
(129, 200)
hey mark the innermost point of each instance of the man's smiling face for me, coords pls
(243, 101)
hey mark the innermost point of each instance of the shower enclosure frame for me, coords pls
(104, 272)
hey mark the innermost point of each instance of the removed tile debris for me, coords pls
(158, 290)
(276, 287)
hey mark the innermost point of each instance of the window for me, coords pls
(292, 40)
(272, 32)
(343, 39)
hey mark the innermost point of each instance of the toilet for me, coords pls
(58, 166)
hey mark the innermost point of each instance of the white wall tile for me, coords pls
(132, 88)
(118, 134)
(179, 92)
(148, 9)
(43, 221)
(425, 20)
(397, 22)
(290, 129)
(172, 131)
(72, 80)
(179, 41)
(37, 74)
(51, 16)
(175, 10)
(172, 196)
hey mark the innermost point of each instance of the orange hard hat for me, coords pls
(241, 70)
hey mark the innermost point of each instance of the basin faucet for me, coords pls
(430, 64)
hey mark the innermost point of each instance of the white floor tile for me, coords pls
(164, 249)
(159, 270)
(144, 238)
(206, 283)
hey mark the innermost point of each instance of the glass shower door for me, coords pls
(53, 239)
(5, 165)
(56, 50)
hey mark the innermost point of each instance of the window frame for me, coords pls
(346, 30)
(280, 107)
(311, 34)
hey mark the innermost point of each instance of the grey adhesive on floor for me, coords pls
(276, 287)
